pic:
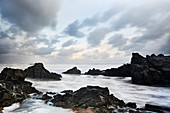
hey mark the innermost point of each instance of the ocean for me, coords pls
(120, 87)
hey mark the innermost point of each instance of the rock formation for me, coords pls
(90, 96)
(94, 72)
(152, 70)
(95, 99)
(73, 70)
(13, 87)
(122, 71)
(39, 72)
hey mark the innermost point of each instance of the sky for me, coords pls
(82, 31)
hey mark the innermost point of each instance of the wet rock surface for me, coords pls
(90, 96)
(73, 70)
(13, 87)
(95, 99)
(39, 72)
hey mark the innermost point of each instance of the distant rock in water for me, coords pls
(39, 72)
(152, 70)
(122, 71)
(13, 87)
(73, 70)
(94, 72)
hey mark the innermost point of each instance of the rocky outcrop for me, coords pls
(39, 72)
(90, 96)
(73, 70)
(7, 98)
(95, 99)
(13, 87)
(94, 72)
(9, 74)
(122, 71)
(152, 70)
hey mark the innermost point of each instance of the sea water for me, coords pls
(120, 87)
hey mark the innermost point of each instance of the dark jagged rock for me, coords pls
(94, 72)
(74, 70)
(13, 87)
(122, 71)
(7, 98)
(90, 96)
(152, 70)
(39, 72)
(9, 74)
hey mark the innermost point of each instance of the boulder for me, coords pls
(39, 72)
(73, 70)
(94, 72)
(90, 96)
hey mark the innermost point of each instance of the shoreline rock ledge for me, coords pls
(38, 71)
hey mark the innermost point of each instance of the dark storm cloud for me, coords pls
(69, 43)
(117, 40)
(73, 30)
(96, 36)
(29, 15)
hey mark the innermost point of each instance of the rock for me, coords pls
(13, 87)
(94, 72)
(46, 97)
(7, 98)
(131, 105)
(39, 72)
(74, 70)
(152, 70)
(90, 96)
(122, 71)
(9, 74)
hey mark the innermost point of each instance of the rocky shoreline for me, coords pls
(150, 70)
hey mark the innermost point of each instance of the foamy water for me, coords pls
(120, 87)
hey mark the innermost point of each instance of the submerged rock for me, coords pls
(73, 70)
(39, 72)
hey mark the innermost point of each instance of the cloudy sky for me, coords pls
(82, 31)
